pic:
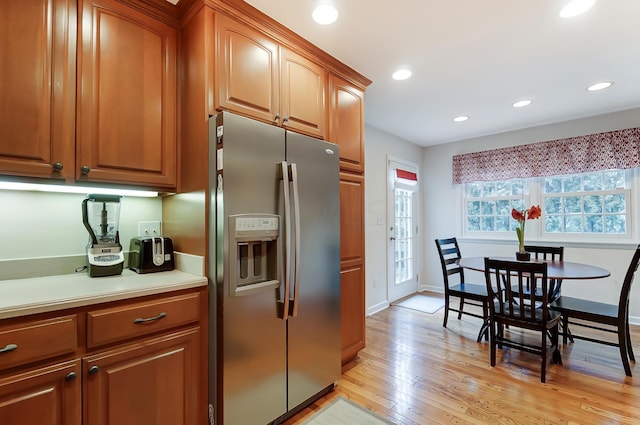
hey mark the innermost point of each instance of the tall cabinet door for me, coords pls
(346, 123)
(247, 71)
(352, 292)
(37, 105)
(127, 96)
(302, 98)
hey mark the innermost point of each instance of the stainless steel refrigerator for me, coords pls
(275, 309)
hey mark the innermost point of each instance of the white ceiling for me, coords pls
(476, 58)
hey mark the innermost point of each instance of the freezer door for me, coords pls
(314, 325)
(251, 330)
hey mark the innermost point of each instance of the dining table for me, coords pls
(557, 271)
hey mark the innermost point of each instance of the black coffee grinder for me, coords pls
(100, 215)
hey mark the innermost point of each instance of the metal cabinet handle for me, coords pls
(150, 319)
(70, 377)
(93, 370)
(285, 120)
(276, 118)
(58, 166)
(8, 348)
(85, 169)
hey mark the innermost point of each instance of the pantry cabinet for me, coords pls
(37, 82)
(126, 362)
(261, 79)
(126, 117)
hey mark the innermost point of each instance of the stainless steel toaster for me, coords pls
(148, 254)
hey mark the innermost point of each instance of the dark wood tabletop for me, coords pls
(555, 269)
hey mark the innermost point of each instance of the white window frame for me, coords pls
(535, 229)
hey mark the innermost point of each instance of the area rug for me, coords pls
(424, 303)
(345, 412)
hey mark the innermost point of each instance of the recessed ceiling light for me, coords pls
(325, 14)
(521, 103)
(401, 74)
(576, 7)
(600, 86)
(461, 118)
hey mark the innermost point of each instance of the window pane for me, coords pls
(616, 224)
(473, 223)
(474, 190)
(614, 180)
(488, 207)
(573, 224)
(614, 203)
(517, 204)
(553, 205)
(572, 184)
(553, 223)
(552, 185)
(592, 204)
(592, 182)
(488, 224)
(572, 204)
(473, 208)
(503, 188)
(593, 224)
(503, 207)
(503, 223)
(517, 187)
(488, 189)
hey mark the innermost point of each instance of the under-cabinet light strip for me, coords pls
(76, 189)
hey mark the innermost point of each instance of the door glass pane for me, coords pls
(403, 245)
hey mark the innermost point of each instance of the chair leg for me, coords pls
(565, 328)
(492, 342)
(622, 345)
(629, 345)
(446, 311)
(555, 339)
(543, 363)
(461, 307)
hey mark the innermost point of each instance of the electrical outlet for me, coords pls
(149, 228)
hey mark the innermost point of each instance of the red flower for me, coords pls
(534, 212)
(517, 215)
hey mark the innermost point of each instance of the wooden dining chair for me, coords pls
(602, 317)
(551, 253)
(511, 305)
(456, 286)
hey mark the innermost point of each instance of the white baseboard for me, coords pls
(378, 307)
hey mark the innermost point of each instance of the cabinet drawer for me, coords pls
(37, 340)
(118, 323)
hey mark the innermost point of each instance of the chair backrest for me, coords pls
(507, 287)
(623, 304)
(449, 253)
(553, 253)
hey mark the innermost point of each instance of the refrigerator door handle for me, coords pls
(296, 223)
(284, 295)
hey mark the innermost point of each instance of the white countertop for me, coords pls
(20, 297)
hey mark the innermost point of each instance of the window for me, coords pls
(404, 235)
(588, 204)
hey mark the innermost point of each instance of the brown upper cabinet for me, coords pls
(115, 120)
(126, 117)
(259, 78)
(37, 82)
(346, 123)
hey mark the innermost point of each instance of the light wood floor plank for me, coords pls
(415, 372)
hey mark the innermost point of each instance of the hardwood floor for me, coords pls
(414, 371)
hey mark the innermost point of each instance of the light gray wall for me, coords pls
(378, 147)
(442, 210)
(42, 224)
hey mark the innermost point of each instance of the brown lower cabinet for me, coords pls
(149, 369)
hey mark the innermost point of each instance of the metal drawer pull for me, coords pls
(150, 319)
(70, 377)
(93, 370)
(8, 348)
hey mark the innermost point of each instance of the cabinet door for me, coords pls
(47, 396)
(151, 382)
(247, 71)
(37, 82)
(346, 123)
(302, 94)
(352, 274)
(126, 119)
